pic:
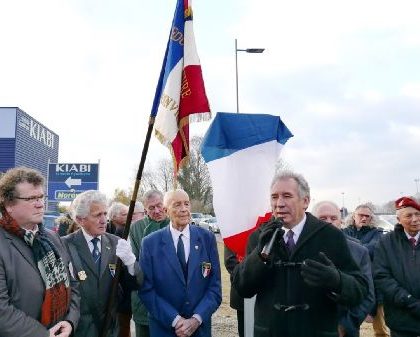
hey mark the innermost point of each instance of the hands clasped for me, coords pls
(321, 274)
(185, 327)
(125, 253)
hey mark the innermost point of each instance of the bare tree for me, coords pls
(194, 178)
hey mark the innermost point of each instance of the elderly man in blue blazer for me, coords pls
(181, 288)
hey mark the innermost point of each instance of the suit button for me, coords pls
(187, 302)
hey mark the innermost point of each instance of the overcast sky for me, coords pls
(343, 75)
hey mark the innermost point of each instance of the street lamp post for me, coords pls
(417, 184)
(248, 50)
(342, 195)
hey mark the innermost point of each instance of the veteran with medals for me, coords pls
(94, 255)
(181, 288)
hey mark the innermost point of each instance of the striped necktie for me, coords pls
(96, 254)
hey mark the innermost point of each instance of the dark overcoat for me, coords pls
(396, 268)
(285, 305)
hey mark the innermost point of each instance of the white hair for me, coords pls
(80, 206)
(115, 209)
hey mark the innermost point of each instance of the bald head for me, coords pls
(176, 203)
(329, 212)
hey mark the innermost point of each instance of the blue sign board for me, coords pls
(66, 181)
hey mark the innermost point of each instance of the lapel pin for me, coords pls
(108, 247)
(82, 275)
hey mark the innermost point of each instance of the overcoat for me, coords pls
(22, 288)
(396, 268)
(285, 305)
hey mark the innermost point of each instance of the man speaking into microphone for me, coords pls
(305, 273)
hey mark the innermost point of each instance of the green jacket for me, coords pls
(138, 231)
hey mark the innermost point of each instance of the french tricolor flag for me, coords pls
(180, 94)
(241, 151)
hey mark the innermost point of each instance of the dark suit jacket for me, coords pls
(95, 288)
(280, 285)
(22, 288)
(166, 294)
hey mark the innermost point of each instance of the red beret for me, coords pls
(406, 202)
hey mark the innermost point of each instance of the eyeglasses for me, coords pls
(33, 199)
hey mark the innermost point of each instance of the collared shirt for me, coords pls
(89, 238)
(297, 230)
(34, 231)
(185, 238)
(415, 237)
(186, 241)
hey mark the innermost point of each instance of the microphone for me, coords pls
(266, 251)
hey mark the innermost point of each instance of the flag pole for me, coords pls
(110, 303)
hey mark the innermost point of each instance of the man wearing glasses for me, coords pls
(37, 293)
(362, 226)
(156, 219)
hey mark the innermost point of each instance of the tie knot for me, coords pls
(95, 241)
(290, 234)
(413, 241)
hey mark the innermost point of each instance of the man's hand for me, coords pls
(267, 232)
(414, 307)
(61, 329)
(321, 274)
(125, 253)
(186, 327)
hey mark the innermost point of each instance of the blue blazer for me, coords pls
(166, 294)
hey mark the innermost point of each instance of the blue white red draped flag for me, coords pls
(180, 94)
(241, 151)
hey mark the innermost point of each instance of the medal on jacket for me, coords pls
(205, 269)
(82, 275)
(112, 267)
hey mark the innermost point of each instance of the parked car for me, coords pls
(210, 224)
(387, 221)
(49, 220)
(196, 218)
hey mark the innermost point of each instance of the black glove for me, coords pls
(267, 232)
(321, 274)
(414, 307)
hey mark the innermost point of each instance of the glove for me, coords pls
(321, 274)
(267, 232)
(125, 253)
(414, 307)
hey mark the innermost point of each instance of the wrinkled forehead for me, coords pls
(327, 210)
(284, 185)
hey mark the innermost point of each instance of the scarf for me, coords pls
(51, 267)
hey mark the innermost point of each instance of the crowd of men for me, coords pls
(311, 274)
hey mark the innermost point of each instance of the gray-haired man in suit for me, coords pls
(94, 254)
